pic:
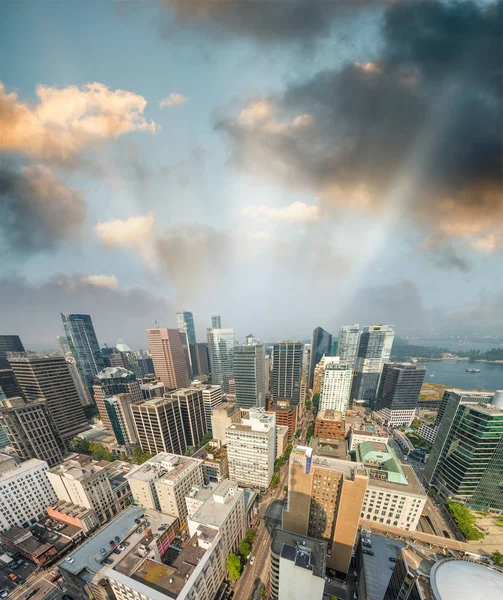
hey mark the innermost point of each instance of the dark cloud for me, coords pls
(446, 257)
(422, 123)
(266, 21)
(32, 311)
(39, 211)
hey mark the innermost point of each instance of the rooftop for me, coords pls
(165, 467)
(453, 579)
(330, 448)
(24, 467)
(329, 415)
(382, 461)
(304, 455)
(115, 373)
(305, 551)
(412, 485)
(377, 568)
(218, 505)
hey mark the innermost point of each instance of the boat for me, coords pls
(472, 370)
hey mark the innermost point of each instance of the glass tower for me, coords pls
(287, 371)
(321, 345)
(84, 345)
(221, 352)
(249, 363)
(185, 320)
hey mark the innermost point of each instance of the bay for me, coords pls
(453, 373)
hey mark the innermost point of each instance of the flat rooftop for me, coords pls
(301, 454)
(413, 485)
(23, 467)
(329, 415)
(286, 544)
(377, 568)
(217, 507)
(330, 448)
(165, 467)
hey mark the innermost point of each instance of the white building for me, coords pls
(25, 491)
(358, 436)
(428, 432)
(347, 346)
(212, 397)
(251, 449)
(336, 386)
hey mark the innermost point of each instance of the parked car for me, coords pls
(121, 547)
(137, 521)
(391, 559)
(3, 593)
(252, 560)
(117, 551)
(365, 551)
(126, 544)
(31, 593)
(69, 559)
(108, 561)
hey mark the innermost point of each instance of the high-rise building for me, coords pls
(267, 373)
(201, 360)
(129, 358)
(325, 496)
(49, 378)
(62, 345)
(374, 350)
(146, 366)
(222, 417)
(221, 352)
(185, 320)
(80, 386)
(168, 356)
(286, 414)
(84, 482)
(84, 345)
(120, 416)
(216, 322)
(8, 385)
(159, 426)
(298, 565)
(112, 357)
(31, 430)
(347, 345)
(286, 371)
(25, 491)
(212, 397)
(111, 381)
(249, 364)
(398, 393)
(321, 345)
(336, 383)
(318, 371)
(191, 405)
(467, 448)
(251, 449)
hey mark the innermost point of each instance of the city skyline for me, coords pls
(182, 196)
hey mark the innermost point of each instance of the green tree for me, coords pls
(244, 548)
(497, 557)
(205, 439)
(251, 536)
(416, 424)
(316, 401)
(91, 411)
(82, 445)
(233, 566)
(274, 481)
(139, 457)
(289, 449)
(310, 432)
(309, 405)
(465, 520)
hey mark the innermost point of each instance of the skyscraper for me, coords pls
(84, 345)
(49, 378)
(168, 356)
(221, 352)
(191, 403)
(249, 364)
(185, 320)
(110, 382)
(216, 322)
(159, 426)
(374, 350)
(347, 345)
(201, 361)
(398, 393)
(321, 345)
(8, 385)
(287, 371)
(80, 386)
(336, 386)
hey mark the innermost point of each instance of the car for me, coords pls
(13, 567)
(108, 561)
(56, 577)
(252, 560)
(69, 559)
(392, 559)
(137, 521)
(117, 551)
(126, 544)
(31, 593)
(369, 552)
(327, 579)
(367, 543)
(4, 593)
(112, 543)
(67, 597)
(121, 547)
(103, 552)
(117, 539)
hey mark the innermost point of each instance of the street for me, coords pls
(42, 583)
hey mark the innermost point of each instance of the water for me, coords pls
(453, 373)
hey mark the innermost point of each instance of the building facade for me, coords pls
(112, 381)
(336, 384)
(168, 357)
(185, 320)
(249, 375)
(286, 414)
(201, 361)
(286, 371)
(216, 322)
(222, 417)
(159, 426)
(212, 397)
(330, 424)
(8, 384)
(80, 386)
(190, 401)
(321, 345)
(347, 345)
(221, 344)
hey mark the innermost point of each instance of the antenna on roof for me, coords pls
(156, 324)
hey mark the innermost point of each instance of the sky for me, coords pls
(286, 165)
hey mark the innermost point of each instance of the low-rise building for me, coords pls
(79, 516)
(298, 565)
(216, 464)
(25, 543)
(358, 436)
(330, 424)
(330, 448)
(428, 432)
(25, 491)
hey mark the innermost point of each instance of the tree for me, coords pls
(497, 557)
(251, 536)
(244, 548)
(233, 566)
(316, 401)
(289, 449)
(465, 520)
(139, 457)
(274, 481)
(309, 405)
(416, 424)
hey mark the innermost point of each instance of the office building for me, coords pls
(418, 574)
(185, 320)
(281, 439)
(48, 378)
(298, 565)
(468, 447)
(251, 449)
(249, 364)
(398, 393)
(129, 358)
(8, 384)
(286, 414)
(85, 482)
(159, 426)
(25, 491)
(162, 482)
(216, 322)
(394, 495)
(31, 430)
(112, 357)
(286, 371)
(221, 352)
(215, 464)
(336, 381)
(190, 401)
(83, 343)
(146, 365)
(330, 424)
(120, 416)
(321, 345)
(82, 389)
(325, 496)
(152, 389)
(168, 356)
(110, 382)
(374, 349)
(212, 397)
(347, 345)
(201, 360)
(267, 373)
(319, 369)
(184, 339)
(358, 436)
(222, 417)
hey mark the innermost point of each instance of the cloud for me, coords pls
(173, 99)
(135, 233)
(297, 212)
(105, 281)
(65, 121)
(410, 135)
(39, 211)
(116, 313)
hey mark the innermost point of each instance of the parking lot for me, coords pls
(23, 572)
